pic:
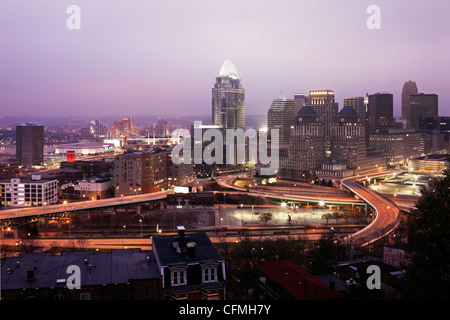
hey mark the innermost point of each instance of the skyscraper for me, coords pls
(306, 148)
(358, 104)
(409, 88)
(380, 111)
(348, 139)
(30, 144)
(228, 99)
(281, 116)
(423, 111)
(300, 100)
(322, 102)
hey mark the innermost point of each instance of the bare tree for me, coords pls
(30, 245)
(77, 244)
(265, 217)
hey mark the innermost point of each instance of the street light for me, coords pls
(123, 229)
(68, 221)
(140, 221)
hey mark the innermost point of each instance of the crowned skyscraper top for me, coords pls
(228, 99)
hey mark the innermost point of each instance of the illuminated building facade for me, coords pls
(398, 145)
(306, 148)
(348, 140)
(140, 172)
(32, 192)
(228, 99)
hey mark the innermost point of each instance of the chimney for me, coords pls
(191, 250)
(181, 231)
(30, 274)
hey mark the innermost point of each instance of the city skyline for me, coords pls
(131, 57)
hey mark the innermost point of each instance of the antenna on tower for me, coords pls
(283, 96)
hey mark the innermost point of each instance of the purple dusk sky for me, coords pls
(145, 57)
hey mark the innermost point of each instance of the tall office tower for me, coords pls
(281, 116)
(322, 102)
(348, 139)
(30, 144)
(228, 99)
(300, 100)
(306, 148)
(358, 104)
(423, 111)
(380, 112)
(409, 88)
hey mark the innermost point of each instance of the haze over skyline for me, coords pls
(149, 57)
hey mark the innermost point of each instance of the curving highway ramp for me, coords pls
(387, 214)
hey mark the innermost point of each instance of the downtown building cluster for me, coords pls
(320, 143)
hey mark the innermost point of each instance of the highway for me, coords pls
(287, 194)
(386, 219)
(82, 205)
(387, 213)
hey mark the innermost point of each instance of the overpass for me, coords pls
(31, 214)
(387, 213)
(310, 197)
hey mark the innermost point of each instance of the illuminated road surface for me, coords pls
(82, 205)
(387, 213)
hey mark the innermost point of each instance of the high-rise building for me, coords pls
(281, 116)
(30, 144)
(409, 88)
(306, 148)
(423, 111)
(123, 128)
(398, 145)
(300, 100)
(380, 112)
(99, 129)
(348, 139)
(140, 172)
(228, 99)
(323, 103)
(358, 104)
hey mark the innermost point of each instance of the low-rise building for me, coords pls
(19, 192)
(191, 267)
(284, 280)
(433, 163)
(395, 255)
(93, 188)
(190, 200)
(334, 172)
(122, 274)
(180, 266)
